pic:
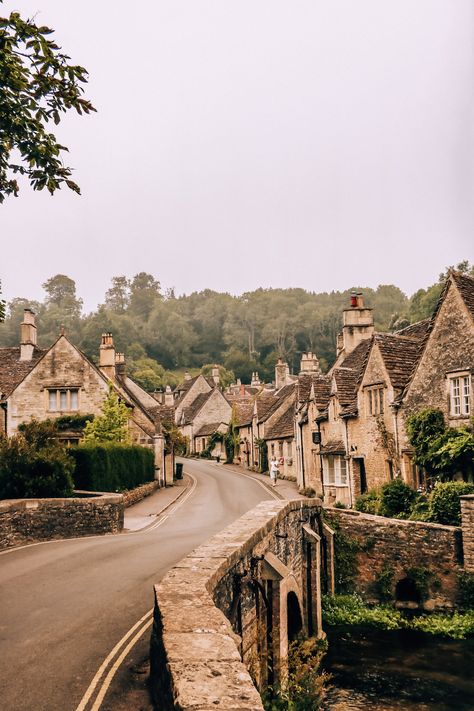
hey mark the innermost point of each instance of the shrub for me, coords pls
(421, 510)
(112, 467)
(345, 568)
(396, 498)
(33, 464)
(466, 590)
(307, 491)
(384, 584)
(369, 503)
(445, 505)
(351, 610)
(340, 505)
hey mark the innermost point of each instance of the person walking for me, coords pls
(274, 471)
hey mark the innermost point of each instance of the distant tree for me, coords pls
(112, 425)
(61, 292)
(144, 293)
(226, 377)
(37, 85)
(117, 298)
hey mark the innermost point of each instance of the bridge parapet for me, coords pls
(224, 615)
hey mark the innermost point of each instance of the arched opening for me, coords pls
(407, 591)
(295, 622)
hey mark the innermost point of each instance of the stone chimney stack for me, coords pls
(169, 397)
(358, 323)
(309, 363)
(107, 356)
(255, 380)
(282, 372)
(27, 335)
(187, 375)
(215, 375)
(120, 366)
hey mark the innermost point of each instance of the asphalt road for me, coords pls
(64, 605)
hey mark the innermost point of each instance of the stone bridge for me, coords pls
(225, 615)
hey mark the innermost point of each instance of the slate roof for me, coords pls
(264, 401)
(334, 446)
(322, 388)
(465, 285)
(348, 375)
(13, 370)
(243, 411)
(283, 425)
(277, 400)
(415, 330)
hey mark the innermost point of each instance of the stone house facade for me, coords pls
(49, 383)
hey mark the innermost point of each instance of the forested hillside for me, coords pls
(162, 334)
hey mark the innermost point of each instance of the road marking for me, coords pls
(113, 536)
(108, 679)
(142, 621)
(108, 659)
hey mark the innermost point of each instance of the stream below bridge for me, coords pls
(403, 670)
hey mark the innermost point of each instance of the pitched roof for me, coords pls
(207, 430)
(465, 285)
(190, 412)
(13, 370)
(322, 388)
(243, 411)
(334, 446)
(348, 375)
(283, 425)
(415, 330)
(400, 355)
(278, 399)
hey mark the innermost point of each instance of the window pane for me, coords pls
(74, 400)
(52, 400)
(331, 472)
(455, 396)
(466, 395)
(343, 471)
(381, 400)
(63, 400)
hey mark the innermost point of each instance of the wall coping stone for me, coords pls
(96, 497)
(396, 521)
(195, 662)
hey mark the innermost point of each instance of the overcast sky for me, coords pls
(248, 143)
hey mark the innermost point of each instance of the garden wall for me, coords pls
(384, 548)
(30, 520)
(140, 492)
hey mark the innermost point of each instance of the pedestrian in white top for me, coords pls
(274, 471)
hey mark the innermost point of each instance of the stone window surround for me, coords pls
(338, 470)
(59, 390)
(460, 375)
(374, 395)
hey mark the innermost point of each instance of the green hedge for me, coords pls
(112, 467)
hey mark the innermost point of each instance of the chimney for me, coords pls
(187, 375)
(215, 374)
(169, 397)
(107, 356)
(159, 396)
(120, 367)
(242, 390)
(27, 335)
(358, 323)
(255, 380)
(309, 363)
(282, 372)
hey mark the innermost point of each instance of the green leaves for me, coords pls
(37, 84)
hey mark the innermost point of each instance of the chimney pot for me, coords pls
(27, 335)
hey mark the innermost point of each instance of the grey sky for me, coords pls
(251, 143)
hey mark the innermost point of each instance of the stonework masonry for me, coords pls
(140, 492)
(211, 633)
(467, 515)
(29, 520)
(403, 547)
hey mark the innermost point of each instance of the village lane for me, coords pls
(64, 605)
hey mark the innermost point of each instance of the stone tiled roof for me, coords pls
(334, 446)
(13, 370)
(465, 285)
(322, 388)
(264, 401)
(283, 426)
(277, 400)
(146, 400)
(190, 412)
(400, 355)
(243, 411)
(348, 376)
(207, 430)
(415, 330)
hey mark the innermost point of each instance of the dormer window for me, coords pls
(375, 400)
(460, 395)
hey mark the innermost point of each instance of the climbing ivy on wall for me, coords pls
(261, 445)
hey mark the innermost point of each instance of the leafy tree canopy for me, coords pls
(37, 85)
(112, 425)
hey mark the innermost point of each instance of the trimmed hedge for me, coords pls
(112, 467)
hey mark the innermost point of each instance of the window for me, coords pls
(460, 395)
(375, 401)
(64, 399)
(335, 470)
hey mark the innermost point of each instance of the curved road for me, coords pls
(65, 605)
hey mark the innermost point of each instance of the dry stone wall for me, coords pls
(467, 515)
(140, 492)
(30, 520)
(403, 547)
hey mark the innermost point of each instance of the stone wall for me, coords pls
(467, 515)
(30, 520)
(140, 492)
(213, 608)
(402, 547)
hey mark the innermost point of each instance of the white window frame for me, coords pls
(335, 470)
(460, 394)
(55, 395)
